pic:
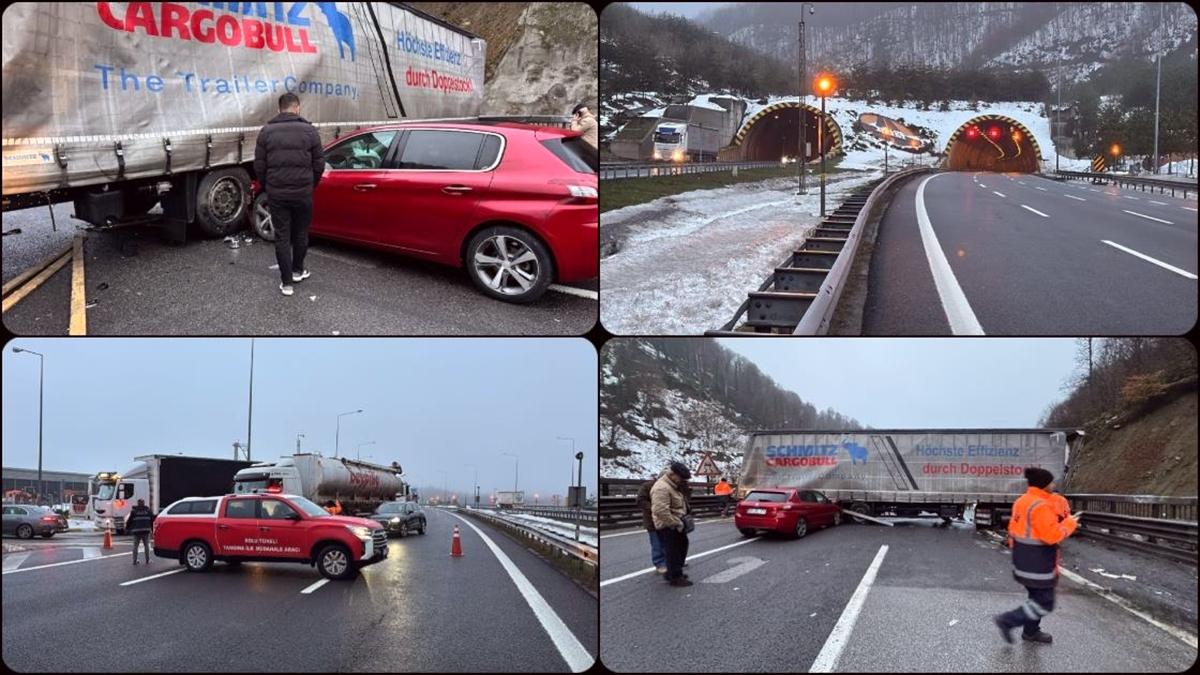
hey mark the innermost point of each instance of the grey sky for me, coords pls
(430, 404)
(922, 382)
(687, 9)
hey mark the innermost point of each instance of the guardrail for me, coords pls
(612, 172)
(1133, 181)
(1175, 539)
(583, 516)
(564, 545)
(1142, 506)
(623, 511)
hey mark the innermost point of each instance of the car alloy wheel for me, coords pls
(197, 557)
(801, 528)
(335, 562)
(837, 519)
(24, 532)
(260, 217)
(506, 265)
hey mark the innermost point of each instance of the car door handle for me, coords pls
(222, 527)
(364, 187)
(456, 189)
(264, 529)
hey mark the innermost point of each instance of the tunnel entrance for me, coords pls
(774, 133)
(993, 143)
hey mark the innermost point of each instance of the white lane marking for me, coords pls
(1184, 636)
(153, 576)
(1029, 208)
(577, 292)
(314, 586)
(569, 647)
(1075, 198)
(827, 659)
(643, 530)
(982, 186)
(690, 557)
(1148, 259)
(743, 565)
(998, 193)
(1021, 182)
(1039, 188)
(1128, 197)
(1188, 208)
(1142, 215)
(91, 552)
(954, 303)
(1156, 202)
(13, 560)
(69, 562)
(1093, 190)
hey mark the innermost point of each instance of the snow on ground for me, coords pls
(689, 259)
(587, 535)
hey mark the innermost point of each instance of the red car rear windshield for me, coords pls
(573, 152)
(759, 496)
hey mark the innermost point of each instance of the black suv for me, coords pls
(400, 517)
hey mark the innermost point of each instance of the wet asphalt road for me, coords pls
(139, 285)
(418, 610)
(928, 610)
(1023, 273)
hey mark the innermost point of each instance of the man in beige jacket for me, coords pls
(667, 508)
(583, 120)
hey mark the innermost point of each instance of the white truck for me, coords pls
(506, 499)
(359, 486)
(908, 472)
(160, 480)
(670, 141)
(118, 106)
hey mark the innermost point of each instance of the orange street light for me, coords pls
(1115, 149)
(824, 85)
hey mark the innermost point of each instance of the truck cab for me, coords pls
(670, 142)
(237, 528)
(115, 496)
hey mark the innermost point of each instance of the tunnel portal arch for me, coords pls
(991, 142)
(771, 133)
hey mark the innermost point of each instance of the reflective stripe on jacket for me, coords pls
(1034, 532)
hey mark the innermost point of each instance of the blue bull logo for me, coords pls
(857, 452)
(339, 23)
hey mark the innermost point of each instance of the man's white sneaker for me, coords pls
(286, 290)
(301, 276)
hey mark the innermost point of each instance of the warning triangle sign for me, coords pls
(707, 467)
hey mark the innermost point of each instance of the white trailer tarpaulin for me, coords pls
(958, 461)
(158, 75)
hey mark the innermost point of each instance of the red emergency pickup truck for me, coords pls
(269, 528)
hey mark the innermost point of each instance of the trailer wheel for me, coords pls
(861, 507)
(221, 201)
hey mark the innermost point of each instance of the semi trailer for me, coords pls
(119, 106)
(160, 480)
(358, 486)
(950, 473)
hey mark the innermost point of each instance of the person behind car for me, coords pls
(583, 120)
(1034, 532)
(139, 523)
(668, 508)
(657, 557)
(288, 162)
(723, 490)
(334, 508)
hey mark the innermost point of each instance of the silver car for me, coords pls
(26, 520)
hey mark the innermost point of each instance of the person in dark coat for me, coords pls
(657, 557)
(288, 162)
(139, 522)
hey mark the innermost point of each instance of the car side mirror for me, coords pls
(293, 516)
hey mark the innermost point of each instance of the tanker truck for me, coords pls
(161, 480)
(952, 473)
(359, 486)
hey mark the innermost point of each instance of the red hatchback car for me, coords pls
(786, 510)
(515, 205)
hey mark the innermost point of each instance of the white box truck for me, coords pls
(160, 480)
(907, 472)
(118, 106)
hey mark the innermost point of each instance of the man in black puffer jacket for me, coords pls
(289, 161)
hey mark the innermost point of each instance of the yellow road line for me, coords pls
(78, 290)
(17, 281)
(19, 294)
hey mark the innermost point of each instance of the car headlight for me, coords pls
(395, 519)
(359, 531)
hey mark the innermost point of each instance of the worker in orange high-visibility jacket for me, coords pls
(1034, 532)
(723, 490)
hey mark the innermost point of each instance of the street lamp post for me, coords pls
(444, 493)
(802, 155)
(1057, 124)
(578, 496)
(337, 434)
(1158, 84)
(41, 382)
(250, 402)
(298, 437)
(516, 470)
(358, 450)
(475, 484)
(825, 85)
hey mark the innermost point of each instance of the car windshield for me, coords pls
(249, 486)
(308, 507)
(761, 496)
(389, 507)
(106, 490)
(666, 136)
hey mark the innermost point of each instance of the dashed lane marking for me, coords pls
(1000, 194)
(827, 659)
(954, 302)
(1030, 208)
(1156, 202)
(1148, 259)
(314, 586)
(68, 562)
(726, 547)
(154, 576)
(1188, 208)
(1133, 198)
(1142, 215)
(1081, 199)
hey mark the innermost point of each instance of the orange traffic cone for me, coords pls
(456, 545)
(107, 538)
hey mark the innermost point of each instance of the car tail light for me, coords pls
(787, 506)
(50, 519)
(583, 192)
